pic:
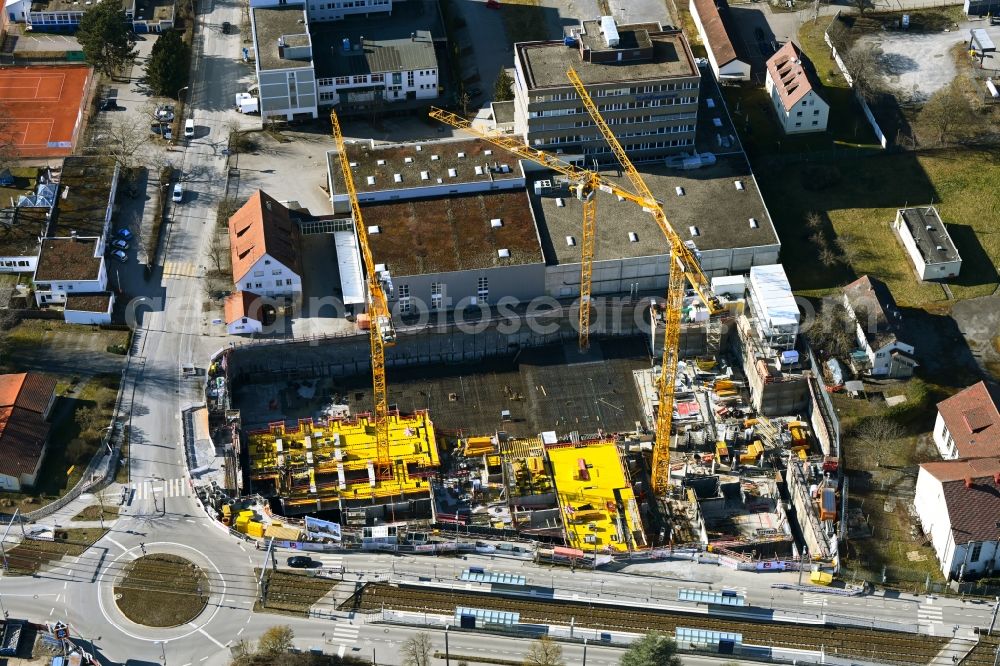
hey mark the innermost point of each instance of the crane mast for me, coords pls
(381, 331)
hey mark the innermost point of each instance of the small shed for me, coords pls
(980, 42)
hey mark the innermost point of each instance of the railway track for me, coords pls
(867, 644)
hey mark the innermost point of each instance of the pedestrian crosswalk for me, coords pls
(158, 488)
(181, 268)
(344, 635)
(929, 614)
(813, 599)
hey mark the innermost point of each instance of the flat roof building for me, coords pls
(642, 78)
(719, 209)
(927, 241)
(283, 61)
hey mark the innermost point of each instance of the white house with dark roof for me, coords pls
(881, 352)
(69, 266)
(927, 241)
(958, 504)
(793, 87)
(968, 424)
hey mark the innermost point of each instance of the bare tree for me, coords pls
(544, 652)
(948, 115)
(275, 640)
(877, 431)
(863, 65)
(217, 251)
(126, 137)
(862, 5)
(416, 651)
(814, 221)
(828, 257)
(848, 248)
(833, 330)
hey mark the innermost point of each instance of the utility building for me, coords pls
(642, 78)
(928, 243)
(283, 61)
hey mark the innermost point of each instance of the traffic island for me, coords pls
(162, 591)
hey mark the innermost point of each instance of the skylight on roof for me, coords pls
(487, 152)
(353, 165)
(452, 173)
(694, 231)
(397, 178)
(419, 148)
(739, 185)
(434, 158)
(408, 160)
(754, 224)
(679, 190)
(496, 223)
(461, 155)
(374, 229)
(381, 162)
(424, 175)
(570, 241)
(503, 253)
(371, 180)
(479, 170)
(633, 237)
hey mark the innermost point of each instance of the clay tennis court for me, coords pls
(41, 108)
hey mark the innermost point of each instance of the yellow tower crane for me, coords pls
(683, 262)
(381, 331)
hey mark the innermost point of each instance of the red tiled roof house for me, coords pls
(958, 504)
(794, 90)
(264, 242)
(968, 424)
(25, 403)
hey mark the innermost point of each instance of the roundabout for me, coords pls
(161, 590)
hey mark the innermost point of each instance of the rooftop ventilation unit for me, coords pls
(679, 190)
(397, 178)
(503, 253)
(461, 155)
(434, 158)
(504, 168)
(610, 31)
(371, 180)
(354, 165)
(930, 227)
(418, 148)
(379, 268)
(754, 224)
(940, 248)
(560, 202)
(408, 160)
(374, 229)
(633, 237)
(487, 152)
(381, 162)
(424, 175)
(694, 231)
(620, 198)
(739, 185)
(496, 223)
(570, 241)
(452, 173)
(479, 170)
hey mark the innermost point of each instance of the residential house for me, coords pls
(794, 89)
(21, 229)
(244, 313)
(882, 352)
(26, 401)
(958, 504)
(928, 243)
(69, 266)
(968, 423)
(264, 243)
(711, 18)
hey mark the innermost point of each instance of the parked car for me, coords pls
(178, 194)
(120, 256)
(165, 112)
(124, 234)
(110, 104)
(120, 244)
(299, 562)
(226, 27)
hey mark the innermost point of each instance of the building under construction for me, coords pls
(330, 465)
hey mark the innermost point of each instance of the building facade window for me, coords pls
(977, 549)
(437, 296)
(404, 298)
(483, 289)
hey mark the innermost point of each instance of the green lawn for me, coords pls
(96, 512)
(180, 589)
(859, 197)
(30, 555)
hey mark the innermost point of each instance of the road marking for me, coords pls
(228, 643)
(204, 633)
(51, 612)
(812, 599)
(189, 520)
(204, 658)
(124, 549)
(341, 651)
(240, 631)
(65, 584)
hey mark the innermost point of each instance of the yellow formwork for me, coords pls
(326, 461)
(586, 479)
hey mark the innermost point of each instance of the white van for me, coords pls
(189, 128)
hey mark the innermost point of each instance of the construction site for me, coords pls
(701, 423)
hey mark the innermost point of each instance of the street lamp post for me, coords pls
(182, 90)
(584, 652)
(447, 653)
(163, 651)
